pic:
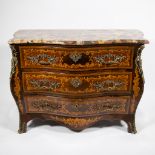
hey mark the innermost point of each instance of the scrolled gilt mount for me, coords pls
(108, 85)
(43, 59)
(76, 82)
(75, 56)
(109, 58)
(44, 84)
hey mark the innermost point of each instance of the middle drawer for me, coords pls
(77, 84)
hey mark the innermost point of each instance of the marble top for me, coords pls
(78, 37)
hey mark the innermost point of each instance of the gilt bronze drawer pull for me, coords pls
(109, 58)
(42, 59)
(75, 82)
(108, 85)
(44, 84)
(45, 105)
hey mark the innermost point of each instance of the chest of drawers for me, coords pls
(77, 77)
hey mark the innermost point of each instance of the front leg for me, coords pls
(22, 125)
(131, 124)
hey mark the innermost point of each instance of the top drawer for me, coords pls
(76, 58)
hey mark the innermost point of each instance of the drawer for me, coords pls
(76, 58)
(77, 107)
(77, 84)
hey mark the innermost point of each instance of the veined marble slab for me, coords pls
(78, 37)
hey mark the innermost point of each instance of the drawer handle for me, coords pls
(44, 84)
(78, 107)
(76, 82)
(45, 105)
(42, 59)
(109, 58)
(108, 85)
(108, 106)
(44, 63)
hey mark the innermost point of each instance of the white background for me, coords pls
(88, 14)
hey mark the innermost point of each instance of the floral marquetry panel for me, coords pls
(77, 85)
(76, 58)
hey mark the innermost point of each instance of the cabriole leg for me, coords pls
(22, 125)
(131, 124)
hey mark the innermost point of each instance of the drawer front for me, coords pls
(76, 58)
(77, 84)
(77, 107)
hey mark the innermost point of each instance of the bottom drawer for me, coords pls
(77, 107)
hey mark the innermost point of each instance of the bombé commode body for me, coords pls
(77, 77)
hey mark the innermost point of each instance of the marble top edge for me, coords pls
(78, 36)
